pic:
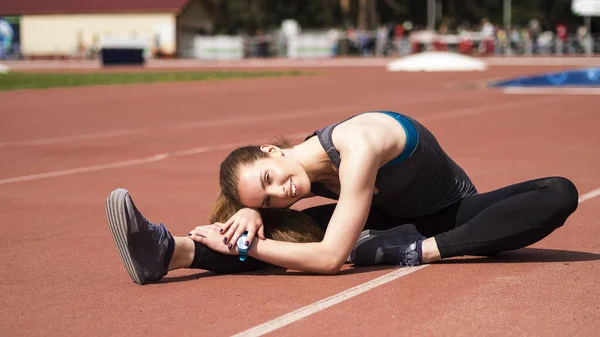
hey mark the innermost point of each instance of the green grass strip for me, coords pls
(15, 81)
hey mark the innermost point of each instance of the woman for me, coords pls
(389, 163)
(385, 169)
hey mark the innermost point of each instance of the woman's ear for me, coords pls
(271, 149)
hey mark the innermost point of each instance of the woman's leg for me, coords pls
(191, 254)
(149, 251)
(376, 219)
(509, 218)
(183, 254)
(207, 259)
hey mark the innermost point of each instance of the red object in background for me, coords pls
(439, 45)
(416, 47)
(488, 46)
(561, 31)
(399, 32)
(465, 46)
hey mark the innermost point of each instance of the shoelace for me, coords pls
(411, 259)
(408, 258)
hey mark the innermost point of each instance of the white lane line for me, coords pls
(288, 114)
(254, 119)
(589, 195)
(308, 310)
(313, 308)
(163, 156)
(92, 168)
(188, 125)
(477, 110)
(64, 139)
(266, 117)
(139, 161)
(551, 91)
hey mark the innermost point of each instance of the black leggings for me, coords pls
(485, 224)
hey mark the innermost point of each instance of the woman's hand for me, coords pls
(245, 220)
(211, 237)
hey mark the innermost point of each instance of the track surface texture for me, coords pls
(63, 150)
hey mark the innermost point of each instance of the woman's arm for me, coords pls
(357, 174)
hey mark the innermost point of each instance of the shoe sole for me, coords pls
(370, 234)
(117, 222)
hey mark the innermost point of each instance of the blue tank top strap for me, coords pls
(412, 138)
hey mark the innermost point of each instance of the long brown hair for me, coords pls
(280, 224)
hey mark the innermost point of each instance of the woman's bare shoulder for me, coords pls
(373, 132)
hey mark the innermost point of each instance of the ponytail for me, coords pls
(223, 209)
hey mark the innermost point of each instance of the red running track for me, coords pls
(63, 150)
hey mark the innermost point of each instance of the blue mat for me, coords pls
(573, 78)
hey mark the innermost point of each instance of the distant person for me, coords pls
(515, 41)
(95, 48)
(585, 40)
(381, 38)
(333, 36)
(526, 41)
(561, 38)
(501, 42)
(534, 33)
(82, 51)
(365, 43)
(487, 36)
(407, 29)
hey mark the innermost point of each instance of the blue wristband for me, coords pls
(242, 248)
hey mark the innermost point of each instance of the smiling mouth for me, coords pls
(293, 189)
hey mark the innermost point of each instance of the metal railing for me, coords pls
(369, 45)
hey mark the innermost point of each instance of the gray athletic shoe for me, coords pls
(362, 235)
(145, 248)
(393, 246)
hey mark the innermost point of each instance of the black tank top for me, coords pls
(423, 184)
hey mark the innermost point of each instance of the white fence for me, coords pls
(310, 46)
(218, 47)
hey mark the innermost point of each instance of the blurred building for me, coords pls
(75, 28)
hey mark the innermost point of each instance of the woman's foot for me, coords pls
(145, 248)
(398, 245)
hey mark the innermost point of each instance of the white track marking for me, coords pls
(266, 117)
(189, 125)
(313, 308)
(92, 168)
(589, 195)
(243, 120)
(551, 91)
(186, 125)
(139, 161)
(163, 156)
(64, 139)
(488, 107)
(308, 310)
(203, 124)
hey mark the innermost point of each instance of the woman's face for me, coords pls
(275, 181)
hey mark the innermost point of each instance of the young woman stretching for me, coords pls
(384, 169)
